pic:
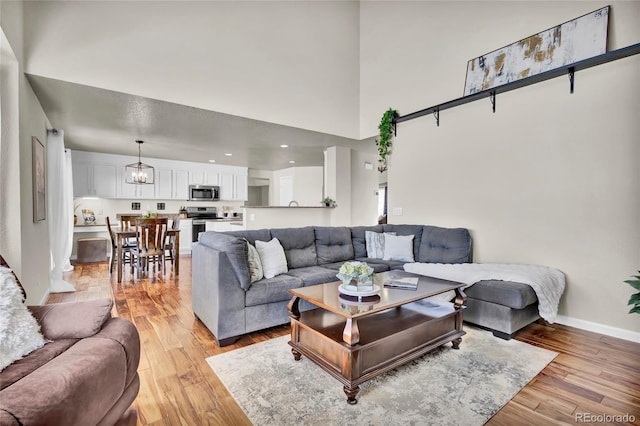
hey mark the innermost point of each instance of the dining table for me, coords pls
(124, 233)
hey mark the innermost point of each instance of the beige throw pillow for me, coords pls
(274, 262)
(255, 265)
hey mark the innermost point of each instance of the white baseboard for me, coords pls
(43, 301)
(599, 328)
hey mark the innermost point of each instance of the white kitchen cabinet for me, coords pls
(133, 191)
(204, 176)
(241, 185)
(227, 186)
(185, 236)
(217, 226)
(172, 184)
(94, 180)
(233, 186)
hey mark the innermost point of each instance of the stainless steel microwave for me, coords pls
(204, 193)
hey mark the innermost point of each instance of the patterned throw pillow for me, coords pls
(255, 265)
(374, 242)
(19, 331)
(274, 261)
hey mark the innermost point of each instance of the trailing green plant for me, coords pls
(385, 139)
(634, 300)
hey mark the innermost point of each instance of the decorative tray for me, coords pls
(351, 290)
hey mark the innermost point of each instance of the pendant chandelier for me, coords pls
(139, 173)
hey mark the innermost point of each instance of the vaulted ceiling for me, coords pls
(199, 80)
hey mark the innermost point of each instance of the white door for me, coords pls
(286, 190)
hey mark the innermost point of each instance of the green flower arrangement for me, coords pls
(358, 271)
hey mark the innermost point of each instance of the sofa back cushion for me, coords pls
(299, 246)
(236, 250)
(415, 230)
(252, 235)
(333, 244)
(445, 245)
(358, 239)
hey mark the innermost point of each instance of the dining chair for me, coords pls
(170, 253)
(150, 243)
(129, 221)
(126, 248)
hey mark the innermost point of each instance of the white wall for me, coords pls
(27, 251)
(550, 178)
(364, 184)
(10, 218)
(306, 189)
(291, 63)
(285, 217)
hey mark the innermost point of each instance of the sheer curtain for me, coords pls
(60, 203)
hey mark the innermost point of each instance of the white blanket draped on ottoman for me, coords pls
(547, 283)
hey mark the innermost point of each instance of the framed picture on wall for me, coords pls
(39, 181)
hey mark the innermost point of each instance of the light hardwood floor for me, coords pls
(593, 373)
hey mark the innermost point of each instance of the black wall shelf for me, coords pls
(569, 70)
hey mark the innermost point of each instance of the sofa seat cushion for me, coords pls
(33, 361)
(299, 246)
(270, 290)
(333, 244)
(378, 265)
(507, 293)
(312, 275)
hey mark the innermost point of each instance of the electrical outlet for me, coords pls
(135, 206)
(397, 211)
(252, 217)
(160, 206)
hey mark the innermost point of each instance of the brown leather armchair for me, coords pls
(86, 375)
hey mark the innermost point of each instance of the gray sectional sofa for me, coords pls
(229, 305)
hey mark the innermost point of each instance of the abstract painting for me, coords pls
(39, 181)
(573, 41)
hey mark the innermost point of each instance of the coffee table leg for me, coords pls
(351, 332)
(293, 308)
(296, 355)
(456, 343)
(351, 394)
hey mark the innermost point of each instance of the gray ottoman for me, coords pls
(504, 307)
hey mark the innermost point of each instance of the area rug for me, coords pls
(444, 387)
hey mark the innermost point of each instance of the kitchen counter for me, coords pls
(287, 207)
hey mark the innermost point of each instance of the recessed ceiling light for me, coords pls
(292, 161)
(228, 154)
(212, 161)
(284, 146)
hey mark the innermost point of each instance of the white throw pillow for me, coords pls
(274, 262)
(374, 241)
(255, 265)
(19, 331)
(398, 247)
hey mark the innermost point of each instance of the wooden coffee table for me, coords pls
(357, 341)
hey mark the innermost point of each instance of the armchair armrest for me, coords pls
(72, 320)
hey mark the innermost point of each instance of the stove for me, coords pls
(199, 216)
